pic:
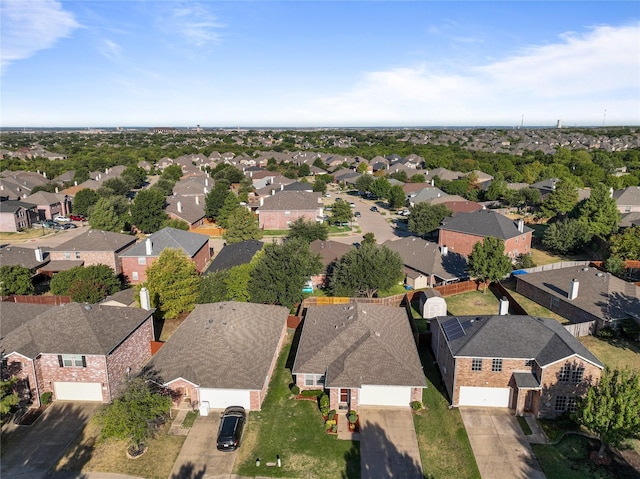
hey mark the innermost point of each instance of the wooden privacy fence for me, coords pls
(21, 298)
(581, 329)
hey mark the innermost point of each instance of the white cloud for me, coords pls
(195, 24)
(30, 26)
(110, 49)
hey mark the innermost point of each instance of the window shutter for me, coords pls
(84, 361)
(60, 363)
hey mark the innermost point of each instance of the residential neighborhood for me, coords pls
(368, 314)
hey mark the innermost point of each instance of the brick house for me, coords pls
(360, 354)
(223, 354)
(189, 209)
(524, 363)
(92, 247)
(138, 258)
(16, 215)
(330, 252)
(234, 254)
(460, 232)
(278, 211)
(50, 205)
(79, 352)
(627, 199)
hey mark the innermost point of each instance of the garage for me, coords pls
(487, 397)
(72, 391)
(385, 395)
(222, 398)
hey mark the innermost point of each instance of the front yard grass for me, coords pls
(616, 354)
(472, 303)
(445, 450)
(294, 430)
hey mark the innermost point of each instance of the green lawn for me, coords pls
(472, 303)
(445, 450)
(294, 430)
(616, 354)
(531, 307)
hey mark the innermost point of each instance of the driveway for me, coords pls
(30, 451)
(199, 456)
(499, 445)
(388, 444)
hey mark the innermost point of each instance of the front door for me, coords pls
(344, 399)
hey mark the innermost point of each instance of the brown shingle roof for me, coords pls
(291, 200)
(97, 240)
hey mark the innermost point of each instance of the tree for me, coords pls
(524, 261)
(172, 281)
(90, 284)
(130, 416)
(281, 272)
(134, 176)
(165, 186)
(308, 231)
(365, 270)
(417, 178)
(396, 196)
(83, 201)
(369, 238)
(8, 396)
(117, 185)
(15, 279)
(561, 200)
(213, 287)
(626, 245)
(611, 408)
(229, 208)
(615, 265)
(566, 236)
(380, 187)
(215, 199)
(364, 182)
(362, 167)
(319, 186)
(226, 285)
(147, 210)
(103, 216)
(241, 226)
(599, 213)
(425, 218)
(487, 261)
(341, 212)
(172, 173)
(176, 223)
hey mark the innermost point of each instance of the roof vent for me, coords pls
(349, 317)
(87, 306)
(377, 333)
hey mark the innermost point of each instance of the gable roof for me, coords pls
(483, 223)
(19, 256)
(329, 250)
(189, 243)
(72, 328)
(627, 196)
(11, 206)
(359, 344)
(223, 345)
(234, 255)
(45, 198)
(291, 200)
(97, 240)
(426, 258)
(514, 337)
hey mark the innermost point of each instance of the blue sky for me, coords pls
(92, 63)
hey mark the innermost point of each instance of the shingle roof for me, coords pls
(11, 206)
(45, 198)
(425, 257)
(223, 345)
(627, 196)
(483, 223)
(515, 337)
(189, 243)
(234, 255)
(72, 328)
(19, 256)
(97, 240)
(329, 250)
(359, 344)
(291, 200)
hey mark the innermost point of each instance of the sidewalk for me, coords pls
(537, 435)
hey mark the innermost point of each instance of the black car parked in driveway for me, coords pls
(231, 426)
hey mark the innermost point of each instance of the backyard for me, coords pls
(615, 353)
(472, 303)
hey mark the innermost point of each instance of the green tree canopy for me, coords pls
(319, 186)
(281, 272)
(396, 197)
(364, 182)
(380, 187)
(626, 245)
(215, 198)
(365, 270)
(561, 200)
(487, 261)
(8, 396)
(83, 201)
(599, 213)
(341, 212)
(308, 231)
(172, 173)
(117, 185)
(165, 186)
(425, 218)
(176, 223)
(147, 210)
(241, 226)
(134, 176)
(226, 285)
(103, 216)
(15, 279)
(611, 408)
(566, 236)
(172, 281)
(90, 284)
(229, 208)
(369, 238)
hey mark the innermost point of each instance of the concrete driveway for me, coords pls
(199, 456)
(388, 444)
(500, 447)
(30, 451)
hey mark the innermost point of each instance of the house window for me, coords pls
(142, 260)
(561, 403)
(344, 395)
(529, 363)
(287, 213)
(554, 301)
(496, 365)
(314, 380)
(570, 374)
(134, 275)
(67, 255)
(577, 375)
(71, 361)
(77, 254)
(476, 364)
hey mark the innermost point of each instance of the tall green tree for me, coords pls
(134, 176)
(308, 231)
(397, 197)
(365, 270)
(364, 182)
(8, 396)
(380, 187)
(564, 237)
(281, 271)
(83, 201)
(320, 186)
(15, 279)
(226, 285)
(561, 200)
(215, 198)
(117, 185)
(425, 218)
(611, 408)
(341, 212)
(172, 281)
(147, 210)
(172, 173)
(86, 284)
(242, 226)
(229, 208)
(103, 216)
(626, 245)
(487, 261)
(599, 213)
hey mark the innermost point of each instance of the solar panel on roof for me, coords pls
(453, 329)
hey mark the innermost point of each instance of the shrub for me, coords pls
(630, 329)
(416, 405)
(310, 393)
(324, 401)
(353, 416)
(45, 398)
(607, 333)
(331, 415)
(295, 389)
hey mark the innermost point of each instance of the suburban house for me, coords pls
(460, 232)
(524, 363)
(79, 352)
(16, 215)
(234, 255)
(89, 248)
(426, 264)
(32, 259)
(330, 251)
(278, 211)
(360, 354)
(50, 205)
(138, 258)
(582, 294)
(223, 354)
(627, 199)
(189, 209)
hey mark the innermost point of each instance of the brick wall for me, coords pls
(277, 220)
(49, 372)
(131, 265)
(462, 243)
(24, 369)
(445, 361)
(202, 257)
(485, 378)
(90, 258)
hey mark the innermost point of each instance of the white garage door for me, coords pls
(385, 395)
(222, 398)
(491, 397)
(78, 391)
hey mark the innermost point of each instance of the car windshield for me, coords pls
(228, 426)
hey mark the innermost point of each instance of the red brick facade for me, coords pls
(462, 243)
(280, 220)
(110, 258)
(135, 267)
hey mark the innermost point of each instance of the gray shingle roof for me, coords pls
(223, 345)
(19, 256)
(515, 337)
(97, 240)
(291, 200)
(189, 243)
(234, 255)
(329, 250)
(11, 206)
(483, 223)
(359, 344)
(72, 328)
(425, 257)
(627, 196)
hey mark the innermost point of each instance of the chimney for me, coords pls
(145, 303)
(57, 191)
(179, 206)
(504, 306)
(261, 201)
(573, 288)
(444, 250)
(197, 200)
(521, 225)
(75, 183)
(281, 186)
(148, 245)
(432, 182)
(39, 255)
(206, 190)
(273, 192)
(206, 182)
